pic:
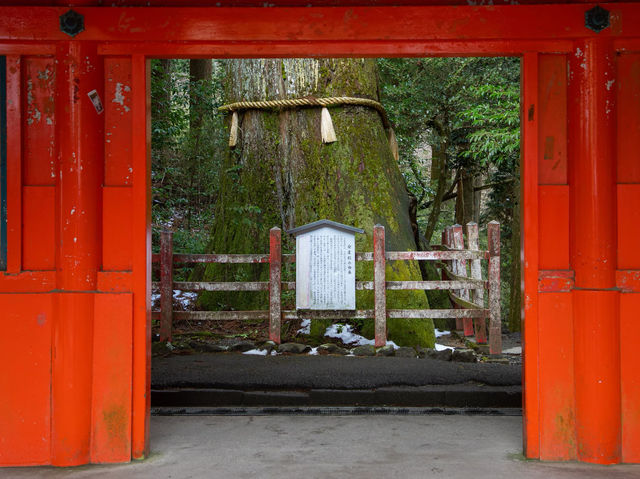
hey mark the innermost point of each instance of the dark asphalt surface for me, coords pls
(238, 371)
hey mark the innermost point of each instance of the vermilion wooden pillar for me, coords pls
(592, 122)
(79, 130)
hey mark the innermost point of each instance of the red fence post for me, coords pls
(166, 285)
(379, 286)
(275, 285)
(461, 270)
(495, 324)
(476, 273)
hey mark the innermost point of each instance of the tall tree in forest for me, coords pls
(281, 173)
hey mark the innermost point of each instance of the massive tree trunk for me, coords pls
(281, 174)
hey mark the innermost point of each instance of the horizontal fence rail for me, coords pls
(465, 292)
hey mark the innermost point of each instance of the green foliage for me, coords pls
(467, 108)
(184, 159)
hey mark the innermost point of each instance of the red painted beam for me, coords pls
(410, 23)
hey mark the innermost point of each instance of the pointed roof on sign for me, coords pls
(322, 224)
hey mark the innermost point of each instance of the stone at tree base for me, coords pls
(364, 350)
(387, 350)
(268, 346)
(242, 346)
(405, 352)
(330, 348)
(215, 348)
(293, 348)
(464, 356)
(443, 355)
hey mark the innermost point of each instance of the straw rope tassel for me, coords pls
(393, 143)
(326, 127)
(233, 130)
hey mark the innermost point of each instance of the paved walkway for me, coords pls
(368, 447)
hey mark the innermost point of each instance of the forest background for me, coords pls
(456, 120)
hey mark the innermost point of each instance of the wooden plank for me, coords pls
(495, 322)
(628, 225)
(628, 116)
(117, 228)
(553, 230)
(111, 384)
(220, 258)
(12, 181)
(118, 154)
(552, 134)
(379, 290)
(423, 285)
(356, 314)
(215, 315)
(341, 24)
(436, 313)
(38, 228)
(166, 285)
(480, 325)
(275, 275)
(462, 255)
(629, 378)
(25, 381)
(557, 422)
(463, 302)
(361, 256)
(222, 286)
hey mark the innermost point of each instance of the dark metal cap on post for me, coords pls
(71, 23)
(596, 19)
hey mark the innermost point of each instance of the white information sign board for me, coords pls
(325, 269)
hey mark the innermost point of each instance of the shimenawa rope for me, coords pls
(326, 125)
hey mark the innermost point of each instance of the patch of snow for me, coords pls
(442, 347)
(257, 352)
(306, 327)
(441, 333)
(344, 332)
(184, 298)
(313, 352)
(273, 353)
(516, 350)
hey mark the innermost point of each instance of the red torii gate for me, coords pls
(74, 293)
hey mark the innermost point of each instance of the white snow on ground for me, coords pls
(442, 347)
(184, 298)
(313, 352)
(306, 327)
(345, 333)
(441, 333)
(516, 350)
(257, 352)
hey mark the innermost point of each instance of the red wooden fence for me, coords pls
(451, 256)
